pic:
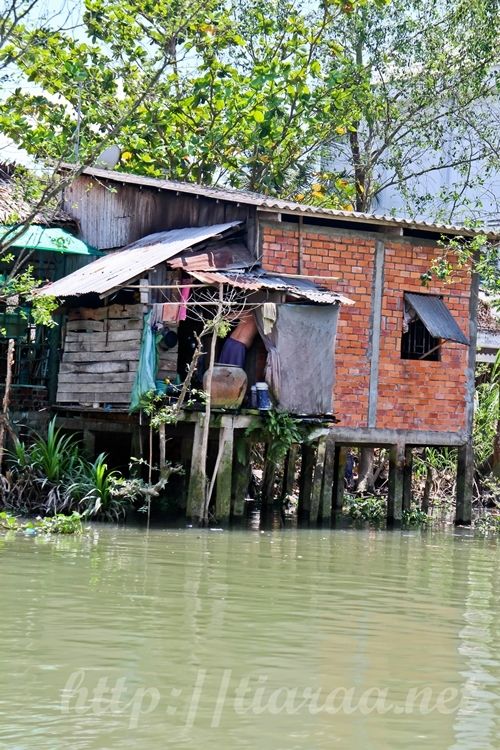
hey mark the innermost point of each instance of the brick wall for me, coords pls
(412, 394)
(26, 398)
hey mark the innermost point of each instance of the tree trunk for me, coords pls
(365, 471)
(424, 506)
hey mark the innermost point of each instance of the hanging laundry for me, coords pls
(156, 320)
(185, 291)
(268, 317)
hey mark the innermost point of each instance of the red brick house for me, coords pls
(405, 353)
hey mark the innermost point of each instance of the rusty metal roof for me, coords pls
(267, 203)
(233, 255)
(258, 280)
(115, 269)
(436, 317)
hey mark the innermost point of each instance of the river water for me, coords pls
(284, 640)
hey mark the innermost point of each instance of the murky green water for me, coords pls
(289, 640)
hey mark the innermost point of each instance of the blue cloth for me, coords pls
(233, 353)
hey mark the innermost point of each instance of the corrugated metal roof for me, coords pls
(257, 280)
(124, 266)
(265, 202)
(436, 317)
(233, 255)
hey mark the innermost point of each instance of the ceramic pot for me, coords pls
(229, 385)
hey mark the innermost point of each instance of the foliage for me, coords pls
(61, 524)
(242, 93)
(486, 414)
(56, 455)
(487, 523)
(50, 474)
(58, 524)
(163, 409)
(423, 72)
(94, 488)
(468, 252)
(366, 508)
(415, 517)
(279, 430)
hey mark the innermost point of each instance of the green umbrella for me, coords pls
(52, 239)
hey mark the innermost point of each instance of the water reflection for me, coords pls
(274, 639)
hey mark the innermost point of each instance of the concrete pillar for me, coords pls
(339, 478)
(465, 477)
(395, 493)
(407, 477)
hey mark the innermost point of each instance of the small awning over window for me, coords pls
(436, 317)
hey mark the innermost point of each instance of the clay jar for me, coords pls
(229, 385)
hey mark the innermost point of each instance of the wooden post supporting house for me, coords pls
(224, 471)
(328, 477)
(289, 472)
(241, 476)
(465, 478)
(317, 481)
(395, 491)
(197, 477)
(305, 482)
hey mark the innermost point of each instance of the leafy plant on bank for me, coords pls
(279, 430)
(50, 475)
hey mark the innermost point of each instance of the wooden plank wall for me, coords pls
(100, 355)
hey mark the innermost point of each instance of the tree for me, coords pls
(245, 93)
(424, 80)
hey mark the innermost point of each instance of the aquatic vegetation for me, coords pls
(416, 517)
(487, 523)
(58, 524)
(365, 508)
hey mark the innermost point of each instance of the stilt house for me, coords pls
(397, 370)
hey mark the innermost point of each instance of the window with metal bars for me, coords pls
(417, 343)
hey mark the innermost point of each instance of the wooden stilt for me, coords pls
(183, 479)
(225, 470)
(89, 443)
(305, 482)
(407, 477)
(339, 478)
(197, 476)
(317, 481)
(465, 477)
(289, 472)
(241, 476)
(268, 477)
(328, 477)
(395, 492)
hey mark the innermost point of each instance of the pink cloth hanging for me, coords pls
(185, 291)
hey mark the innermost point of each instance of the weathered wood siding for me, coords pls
(100, 355)
(112, 215)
